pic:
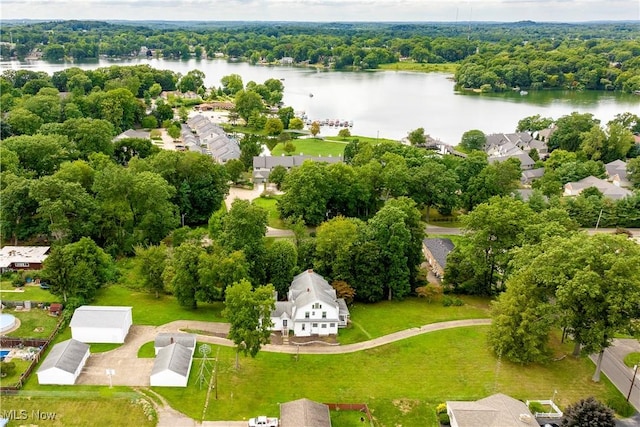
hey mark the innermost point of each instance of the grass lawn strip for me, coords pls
(312, 147)
(401, 382)
(270, 205)
(80, 411)
(34, 323)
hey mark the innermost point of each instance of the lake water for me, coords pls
(389, 104)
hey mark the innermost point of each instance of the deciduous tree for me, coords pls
(248, 311)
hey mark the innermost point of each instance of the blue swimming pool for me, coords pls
(3, 354)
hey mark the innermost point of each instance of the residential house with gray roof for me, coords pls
(304, 413)
(617, 173)
(436, 251)
(312, 308)
(165, 339)
(262, 165)
(498, 410)
(608, 189)
(202, 135)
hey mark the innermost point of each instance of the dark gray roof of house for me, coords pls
(439, 248)
(175, 358)
(165, 339)
(65, 356)
(304, 413)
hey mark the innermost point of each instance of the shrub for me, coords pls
(536, 407)
(444, 420)
(7, 368)
(449, 301)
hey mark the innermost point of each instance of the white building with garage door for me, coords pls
(101, 324)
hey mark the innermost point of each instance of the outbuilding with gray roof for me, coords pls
(63, 363)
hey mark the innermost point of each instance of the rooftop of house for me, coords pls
(23, 254)
(165, 339)
(439, 248)
(498, 410)
(304, 413)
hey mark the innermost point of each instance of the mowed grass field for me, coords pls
(401, 382)
(312, 147)
(386, 317)
(77, 409)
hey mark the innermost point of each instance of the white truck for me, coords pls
(263, 421)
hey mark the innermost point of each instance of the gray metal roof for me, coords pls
(165, 339)
(65, 356)
(174, 357)
(282, 307)
(93, 316)
(269, 162)
(304, 413)
(439, 248)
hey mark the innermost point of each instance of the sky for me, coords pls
(325, 10)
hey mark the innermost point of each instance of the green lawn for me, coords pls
(313, 147)
(269, 203)
(370, 139)
(632, 359)
(375, 320)
(29, 293)
(149, 310)
(103, 347)
(35, 323)
(81, 410)
(147, 350)
(401, 382)
(415, 66)
(21, 366)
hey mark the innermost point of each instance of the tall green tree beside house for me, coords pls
(248, 311)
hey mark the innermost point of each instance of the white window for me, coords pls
(324, 326)
(304, 327)
(324, 314)
(315, 325)
(332, 325)
(306, 315)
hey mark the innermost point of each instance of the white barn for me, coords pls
(101, 324)
(172, 366)
(165, 339)
(64, 363)
(312, 308)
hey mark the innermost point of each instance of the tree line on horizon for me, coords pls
(492, 57)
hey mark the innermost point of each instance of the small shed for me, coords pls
(165, 339)
(304, 413)
(64, 363)
(101, 324)
(172, 366)
(55, 308)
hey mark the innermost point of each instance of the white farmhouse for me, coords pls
(101, 324)
(172, 366)
(312, 308)
(63, 363)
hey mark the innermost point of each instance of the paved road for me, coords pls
(619, 373)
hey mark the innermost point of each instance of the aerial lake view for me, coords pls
(388, 104)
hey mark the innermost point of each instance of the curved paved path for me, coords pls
(352, 348)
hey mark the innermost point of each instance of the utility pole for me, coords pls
(635, 371)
